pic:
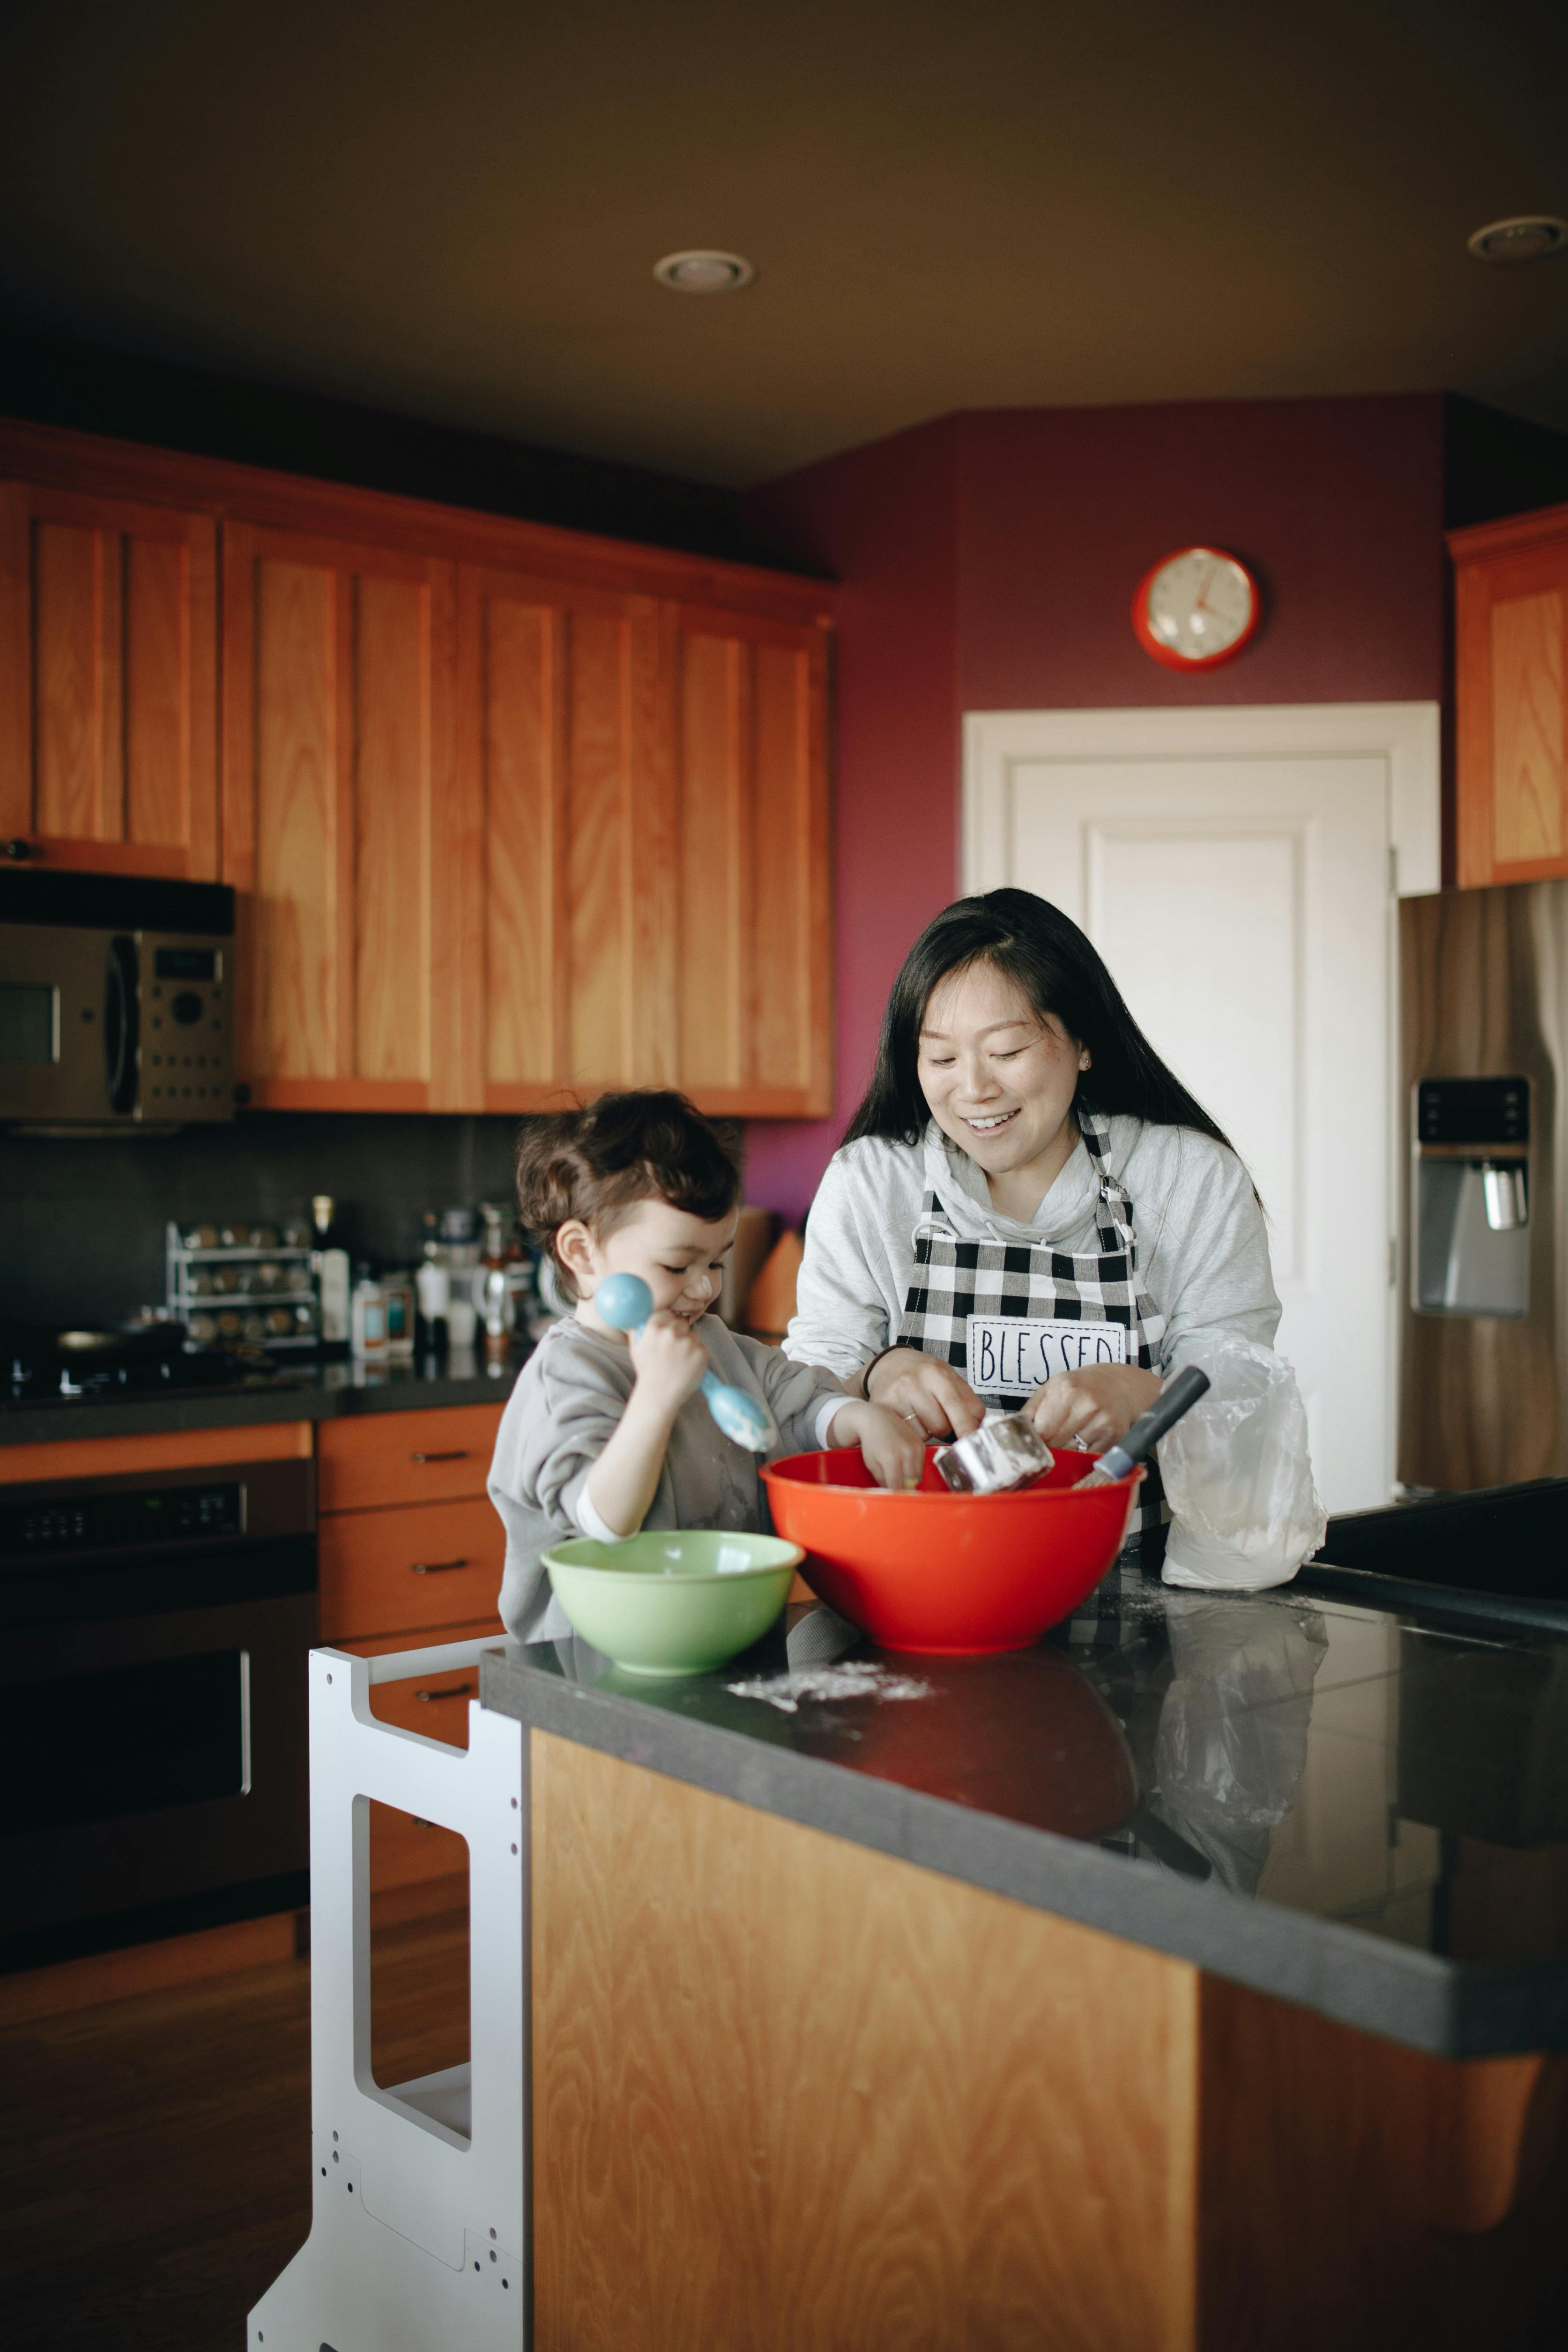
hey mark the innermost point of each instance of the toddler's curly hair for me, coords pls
(598, 1160)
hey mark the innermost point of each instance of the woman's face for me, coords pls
(999, 1076)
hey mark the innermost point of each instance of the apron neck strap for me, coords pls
(1115, 1210)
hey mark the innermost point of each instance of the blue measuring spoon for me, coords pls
(625, 1302)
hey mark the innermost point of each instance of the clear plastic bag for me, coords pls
(1245, 1512)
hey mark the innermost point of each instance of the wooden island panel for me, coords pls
(792, 2092)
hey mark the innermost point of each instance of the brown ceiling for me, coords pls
(452, 210)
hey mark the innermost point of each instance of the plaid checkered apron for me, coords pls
(955, 1279)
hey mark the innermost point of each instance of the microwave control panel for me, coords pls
(185, 1030)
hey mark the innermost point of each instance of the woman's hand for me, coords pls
(669, 1360)
(1094, 1407)
(893, 1448)
(932, 1397)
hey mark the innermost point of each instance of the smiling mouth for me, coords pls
(991, 1126)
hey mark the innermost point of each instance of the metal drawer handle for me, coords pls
(436, 1567)
(458, 1454)
(458, 1690)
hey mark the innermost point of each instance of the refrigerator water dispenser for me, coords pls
(1471, 1206)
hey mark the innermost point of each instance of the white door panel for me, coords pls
(1242, 905)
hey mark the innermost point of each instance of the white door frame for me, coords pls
(1405, 735)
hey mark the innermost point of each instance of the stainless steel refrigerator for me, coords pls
(1483, 1374)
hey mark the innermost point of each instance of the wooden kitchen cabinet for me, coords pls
(1511, 583)
(336, 780)
(426, 1566)
(389, 1458)
(754, 958)
(643, 821)
(108, 683)
(563, 841)
(511, 813)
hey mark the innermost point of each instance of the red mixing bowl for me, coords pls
(948, 1575)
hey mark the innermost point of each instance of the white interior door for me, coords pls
(1239, 884)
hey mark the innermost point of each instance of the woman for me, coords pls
(1029, 1210)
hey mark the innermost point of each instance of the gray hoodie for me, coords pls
(569, 1397)
(1203, 1248)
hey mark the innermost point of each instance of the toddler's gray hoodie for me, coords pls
(568, 1398)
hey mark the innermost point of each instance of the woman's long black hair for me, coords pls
(1060, 972)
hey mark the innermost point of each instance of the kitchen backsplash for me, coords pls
(84, 1221)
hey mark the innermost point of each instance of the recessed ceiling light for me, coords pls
(704, 273)
(1529, 238)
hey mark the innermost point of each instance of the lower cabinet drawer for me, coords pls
(365, 1462)
(398, 1571)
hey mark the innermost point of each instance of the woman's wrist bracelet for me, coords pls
(892, 1350)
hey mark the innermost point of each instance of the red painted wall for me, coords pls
(989, 563)
(1335, 504)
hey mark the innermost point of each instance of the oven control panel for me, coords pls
(135, 1522)
(152, 1513)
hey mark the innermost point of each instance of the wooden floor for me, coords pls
(155, 2152)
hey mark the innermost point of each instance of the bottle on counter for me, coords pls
(493, 1288)
(433, 1288)
(330, 1271)
(367, 1319)
(397, 1289)
(462, 1254)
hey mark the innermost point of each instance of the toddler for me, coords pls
(605, 1434)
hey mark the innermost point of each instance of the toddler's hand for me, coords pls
(894, 1448)
(669, 1359)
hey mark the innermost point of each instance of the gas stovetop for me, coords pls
(83, 1366)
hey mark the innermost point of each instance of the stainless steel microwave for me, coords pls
(116, 1001)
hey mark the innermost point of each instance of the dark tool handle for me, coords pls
(1177, 1396)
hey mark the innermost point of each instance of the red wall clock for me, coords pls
(1195, 608)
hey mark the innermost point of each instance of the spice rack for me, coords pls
(251, 1293)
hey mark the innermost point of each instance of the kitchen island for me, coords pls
(1193, 1979)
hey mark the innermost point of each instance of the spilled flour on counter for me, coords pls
(785, 1691)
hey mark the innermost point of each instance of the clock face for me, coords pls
(1196, 609)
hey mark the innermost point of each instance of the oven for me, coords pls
(154, 1630)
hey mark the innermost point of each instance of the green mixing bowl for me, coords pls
(676, 1603)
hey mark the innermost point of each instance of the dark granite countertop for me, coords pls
(1365, 1810)
(310, 1389)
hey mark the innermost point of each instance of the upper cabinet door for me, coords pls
(1512, 699)
(642, 822)
(107, 698)
(565, 844)
(336, 798)
(747, 728)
